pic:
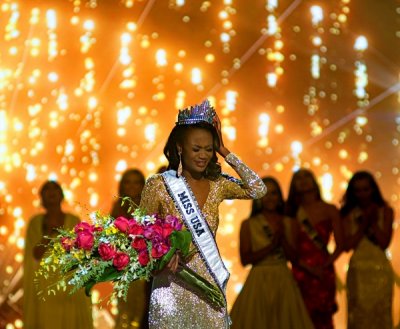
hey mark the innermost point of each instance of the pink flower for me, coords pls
(122, 224)
(84, 240)
(84, 226)
(120, 261)
(159, 249)
(174, 221)
(106, 251)
(153, 231)
(139, 244)
(144, 257)
(67, 243)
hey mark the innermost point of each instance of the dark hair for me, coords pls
(257, 204)
(124, 177)
(349, 200)
(294, 197)
(45, 186)
(178, 135)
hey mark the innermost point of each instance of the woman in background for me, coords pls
(368, 223)
(62, 310)
(270, 297)
(132, 313)
(313, 267)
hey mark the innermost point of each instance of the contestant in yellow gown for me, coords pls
(270, 297)
(62, 310)
(370, 285)
(132, 313)
(370, 279)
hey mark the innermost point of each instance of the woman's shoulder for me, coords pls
(154, 179)
(35, 219)
(328, 206)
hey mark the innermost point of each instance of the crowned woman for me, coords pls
(192, 189)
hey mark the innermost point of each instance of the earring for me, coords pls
(179, 171)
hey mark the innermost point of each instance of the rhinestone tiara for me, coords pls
(197, 113)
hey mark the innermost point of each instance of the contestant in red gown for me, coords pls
(313, 267)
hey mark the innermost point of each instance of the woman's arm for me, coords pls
(352, 240)
(338, 233)
(252, 186)
(247, 255)
(384, 235)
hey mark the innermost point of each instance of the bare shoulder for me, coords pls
(329, 206)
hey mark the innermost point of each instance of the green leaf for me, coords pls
(166, 258)
(181, 240)
(109, 274)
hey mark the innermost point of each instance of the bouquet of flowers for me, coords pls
(120, 250)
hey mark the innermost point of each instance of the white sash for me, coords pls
(195, 222)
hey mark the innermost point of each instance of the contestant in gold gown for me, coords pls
(270, 297)
(194, 145)
(368, 226)
(62, 310)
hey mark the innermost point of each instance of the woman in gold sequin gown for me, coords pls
(191, 151)
(368, 223)
(270, 297)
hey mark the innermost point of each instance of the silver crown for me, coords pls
(197, 113)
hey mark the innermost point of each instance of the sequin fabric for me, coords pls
(172, 305)
(370, 283)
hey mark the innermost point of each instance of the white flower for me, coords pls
(149, 219)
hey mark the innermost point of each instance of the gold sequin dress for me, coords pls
(370, 283)
(172, 306)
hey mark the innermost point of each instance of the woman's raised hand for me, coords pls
(222, 149)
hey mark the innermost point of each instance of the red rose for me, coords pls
(167, 229)
(106, 251)
(159, 249)
(144, 257)
(84, 240)
(135, 228)
(120, 261)
(122, 224)
(67, 243)
(139, 243)
(84, 226)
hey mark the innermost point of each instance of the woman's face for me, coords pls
(132, 185)
(362, 190)
(197, 150)
(51, 195)
(304, 181)
(272, 199)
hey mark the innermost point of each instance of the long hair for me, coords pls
(46, 186)
(257, 205)
(294, 197)
(124, 177)
(178, 135)
(349, 200)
